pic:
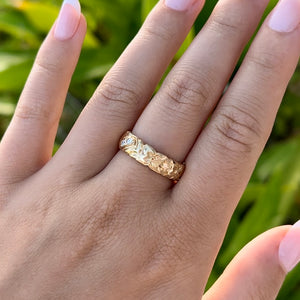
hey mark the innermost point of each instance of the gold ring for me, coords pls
(147, 156)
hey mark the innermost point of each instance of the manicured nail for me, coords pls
(180, 5)
(68, 20)
(289, 249)
(286, 16)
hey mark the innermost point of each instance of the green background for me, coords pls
(272, 197)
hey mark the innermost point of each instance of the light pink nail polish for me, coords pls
(289, 249)
(180, 5)
(286, 16)
(68, 20)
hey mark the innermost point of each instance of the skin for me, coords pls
(92, 223)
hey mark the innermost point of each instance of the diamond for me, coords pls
(129, 141)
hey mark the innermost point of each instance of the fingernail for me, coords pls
(68, 20)
(286, 16)
(180, 5)
(289, 249)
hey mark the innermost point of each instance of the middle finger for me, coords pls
(126, 89)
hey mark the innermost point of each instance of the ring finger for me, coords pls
(174, 118)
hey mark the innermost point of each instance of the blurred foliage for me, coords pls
(272, 197)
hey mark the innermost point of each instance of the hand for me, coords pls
(91, 222)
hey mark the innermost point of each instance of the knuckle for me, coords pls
(187, 92)
(102, 215)
(266, 60)
(34, 111)
(99, 219)
(170, 244)
(239, 130)
(191, 216)
(48, 66)
(177, 239)
(164, 254)
(226, 23)
(118, 98)
(151, 31)
(158, 28)
(97, 222)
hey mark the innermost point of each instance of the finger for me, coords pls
(257, 271)
(173, 119)
(126, 89)
(28, 142)
(221, 162)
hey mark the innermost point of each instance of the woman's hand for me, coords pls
(91, 222)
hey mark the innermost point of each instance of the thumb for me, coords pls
(259, 269)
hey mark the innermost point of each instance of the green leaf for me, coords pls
(94, 63)
(6, 109)
(14, 23)
(291, 288)
(8, 59)
(189, 39)
(13, 75)
(276, 157)
(41, 15)
(147, 6)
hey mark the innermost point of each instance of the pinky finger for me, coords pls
(258, 271)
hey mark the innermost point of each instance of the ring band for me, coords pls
(147, 156)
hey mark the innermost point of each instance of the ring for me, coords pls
(147, 156)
